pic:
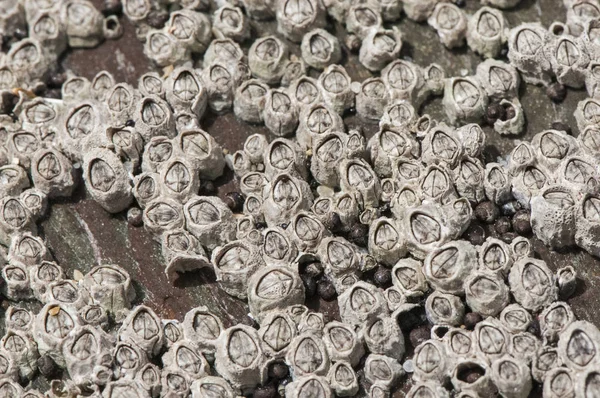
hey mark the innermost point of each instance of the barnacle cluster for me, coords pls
(319, 201)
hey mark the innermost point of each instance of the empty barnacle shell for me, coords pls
(511, 376)
(17, 283)
(249, 101)
(164, 49)
(523, 346)
(51, 327)
(491, 339)
(407, 276)
(532, 283)
(482, 386)
(566, 278)
(334, 84)
(358, 178)
(544, 363)
(276, 333)
(309, 386)
(184, 355)
(424, 389)
(512, 126)
(559, 382)
(27, 249)
(487, 32)
(464, 99)
(142, 327)
(379, 47)
(146, 188)
(23, 352)
(230, 22)
(185, 92)
(320, 49)
(447, 266)
(106, 180)
(234, 263)
(444, 309)
(14, 179)
(178, 179)
(284, 197)
(87, 355)
(496, 256)
(280, 113)
(383, 336)
(361, 302)
(386, 241)
(372, 99)
(267, 58)
(553, 216)
(182, 252)
(295, 19)
(343, 343)
(239, 356)
(450, 23)
(389, 145)
(500, 80)
(274, 288)
(569, 59)
(284, 156)
(343, 379)
(317, 121)
(431, 362)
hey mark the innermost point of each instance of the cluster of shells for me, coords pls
(142, 149)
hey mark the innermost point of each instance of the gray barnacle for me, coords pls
(165, 49)
(142, 327)
(544, 363)
(202, 152)
(249, 101)
(511, 376)
(182, 253)
(146, 188)
(209, 220)
(513, 126)
(387, 243)
(343, 379)
(587, 113)
(554, 320)
(185, 92)
(124, 388)
(524, 346)
(309, 386)
(21, 146)
(106, 180)
(175, 382)
(186, 357)
(361, 302)
(553, 216)
(447, 266)
(11, 388)
(52, 173)
(441, 145)
(284, 197)
(29, 60)
(468, 179)
(483, 386)
(450, 23)
(340, 257)
(405, 81)
(280, 113)
(569, 59)
(9, 369)
(552, 146)
(335, 86)
(40, 276)
(203, 328)
(306, 231)
(295, 19)
(276, 332)
(75, 88)
(94, 315)
(274, 288)
(587, 218)
(399, 114)
(328, 151)
(431, 362)
(372, 99)
(559, 381)
(66, 292)
(521, 247)
(102, 83)
(379, 47)
(532, 283)
(389, 145)
(362, 19)
(305, 92)
(221, 79)
(17, 284)
(267, 59)
(472, 139)
(515, 318)
(14, 179)
(234, 263)
(178, 179)
(444, 309)
(87, 355)
(208, 386)
(592, 80)
(495, 256)
(343, 343)
(487, 32)
(157, 152)
(51, 327)
(18, 319)
(382, 370)
(407, 276)
(320, 49)
(277, 248)
(307, 355)
(253, 208)
(230, 22)
(22, 350)
(388, 189)
(578, 346)
(239, 356)
(148, 378)
(163, 214)
(529, 182)
(383, 336)
(358, 178)
(225, 51)
(284, 156)
(151, 83)
(425, 230)
(459, 342)
(491, 339)
(500, 80)
(35, 201)
(28, 250)
(464, 99)
(425, 389)
(316, 121)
